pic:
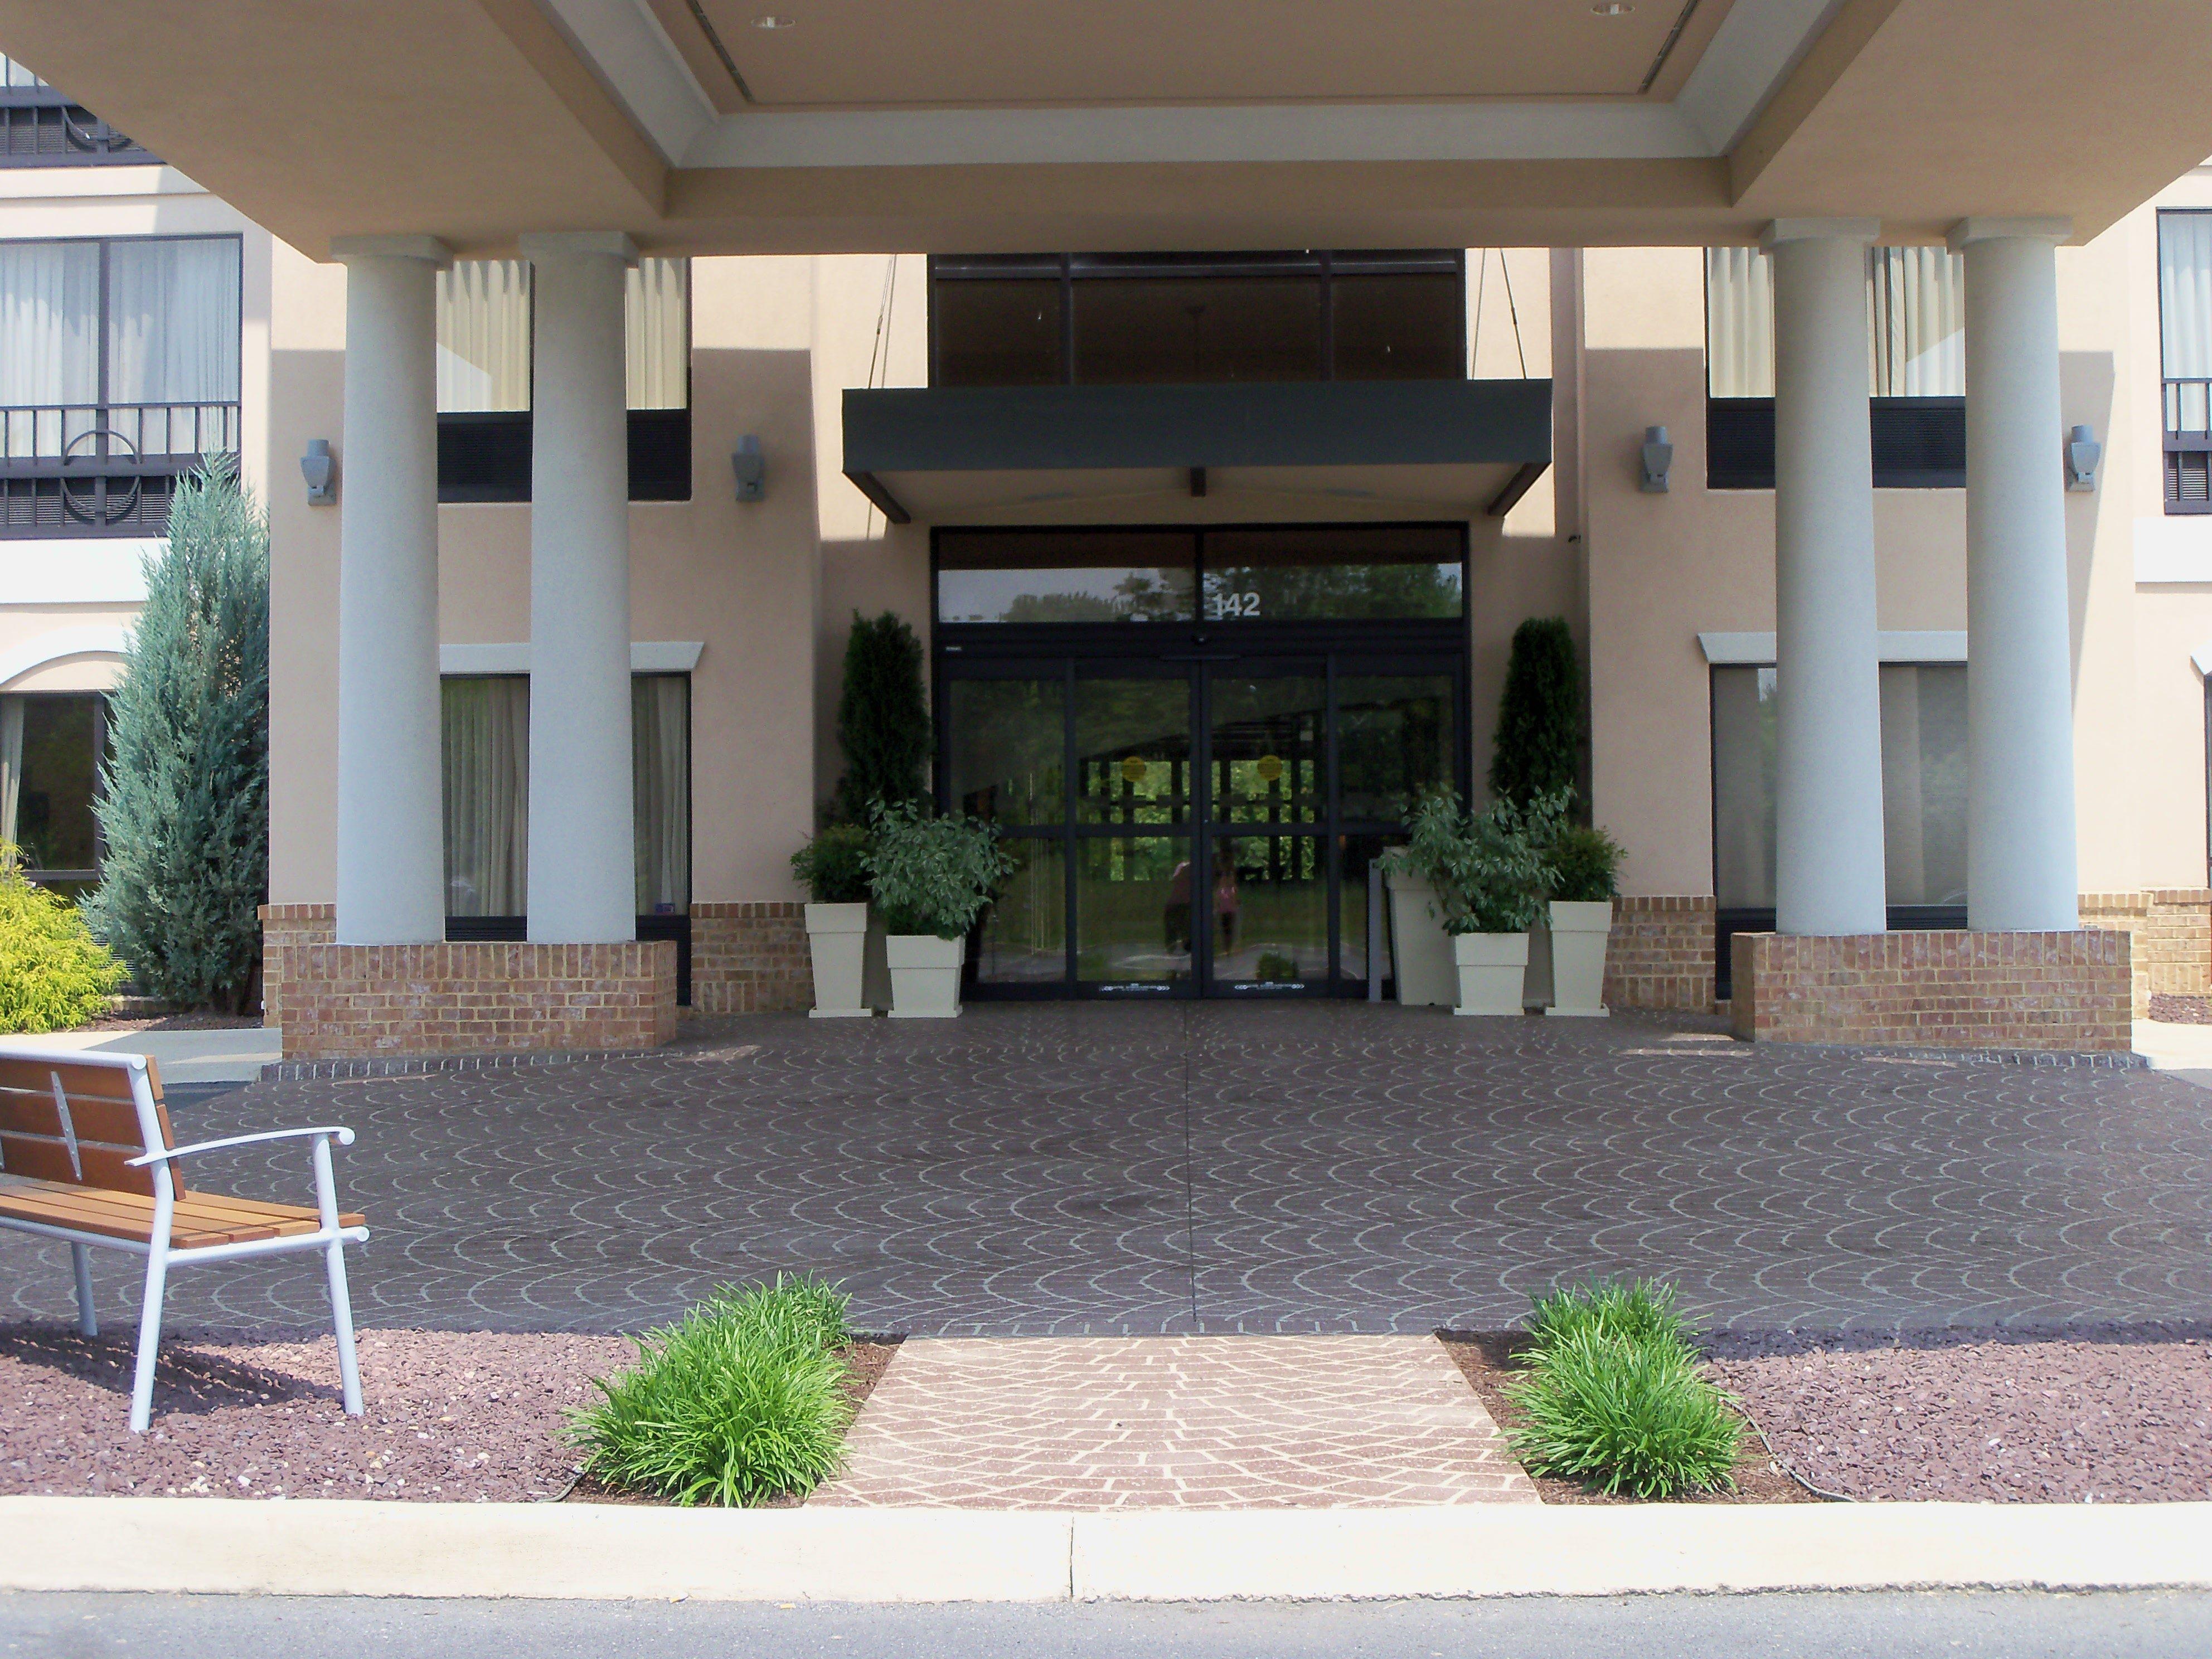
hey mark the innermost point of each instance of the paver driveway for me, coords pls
(1074, 1169)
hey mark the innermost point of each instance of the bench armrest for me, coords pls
(344, 1137)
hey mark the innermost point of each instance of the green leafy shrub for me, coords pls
(1586, 865)
(53, 974)
(184, 805)
(932, 875)
(1612, 1397)
(833, 866)
(1538, 745)
(738, 1402)
(1488, 868)
(882, 718)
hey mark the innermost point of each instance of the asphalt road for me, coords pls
(1833, 1627)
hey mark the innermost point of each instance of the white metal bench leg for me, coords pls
(81, 1258)
(342, 1327)
(150, 1338)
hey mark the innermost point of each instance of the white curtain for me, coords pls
(2184, 301)
(484, 336)
(49, 340)
(487, 776)
(11, 765)
(661, 760)
(1739, 323)
(173, 321)
(657, 332)
(1917, 297)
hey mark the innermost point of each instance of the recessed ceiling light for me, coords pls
(1611, 9)
(769, 21)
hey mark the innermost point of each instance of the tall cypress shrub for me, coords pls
(882, 718)
(186, 806)
(1540, 717)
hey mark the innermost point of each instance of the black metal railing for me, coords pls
(2189, 446)
(103, 470)
(39, 127)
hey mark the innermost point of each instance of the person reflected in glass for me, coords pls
(1178, 910)
(1224, 904)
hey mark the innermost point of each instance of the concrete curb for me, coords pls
(608, 1552)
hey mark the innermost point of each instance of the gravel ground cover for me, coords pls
(2181, 1010)
(2112, 1415)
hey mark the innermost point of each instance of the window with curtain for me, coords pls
(50, 748)
(484, 336)
(486, 746)
(2184, 313)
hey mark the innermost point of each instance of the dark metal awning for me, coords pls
(979, 452)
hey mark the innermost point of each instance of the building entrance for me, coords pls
(1194, 799)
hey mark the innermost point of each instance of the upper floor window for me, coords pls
(1153, 319)
(40, 127)
(2185, 315)
(1915, 367)
(484, 380)
(118, 371)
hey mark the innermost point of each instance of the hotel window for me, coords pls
(51, 750)
(1923, 791)
(484, 380)
(2185, 313)
(1915, 367)
(118, 372)
(1153, 319)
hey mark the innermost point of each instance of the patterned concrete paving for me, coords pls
(1099, 1169)
(1175, 1422)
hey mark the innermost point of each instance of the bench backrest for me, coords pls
(80, 1119)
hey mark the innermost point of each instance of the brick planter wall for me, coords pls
(2067, 992)
(750, 958)
(1660, 955)
(356, 1001)
(2172, 928)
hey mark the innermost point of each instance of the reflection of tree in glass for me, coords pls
(1278, 593)
(1140, 596)
(1394, 741)
(1008, 750)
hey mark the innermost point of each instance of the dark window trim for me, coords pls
(1919, 443)
(485, 455)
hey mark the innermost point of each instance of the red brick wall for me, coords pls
(2067, 992)
(2173, 931)
(750, 958)
(354, 1001)
(284, 928)
(1660, 955)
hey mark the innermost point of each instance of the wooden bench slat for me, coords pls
(127, 1215)
(35, 1077)
(49, 1160)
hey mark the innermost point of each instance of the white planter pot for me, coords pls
(1579, 935)
(1536, 981)
(837, 941)
(1420, 950)
(925, 974)
(1492, 967)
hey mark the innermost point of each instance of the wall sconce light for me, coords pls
(319, 467)
(751, 468)
(1658, 460)
(2083, 452)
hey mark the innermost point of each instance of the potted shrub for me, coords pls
(840, 940)
(1586, 865)
(932, 878)
(1490, 876)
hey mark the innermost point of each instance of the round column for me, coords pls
(1829, 876)
(391, 838)
(2021, 870)
(583, 880)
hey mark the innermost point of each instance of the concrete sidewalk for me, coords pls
(601, 1552)
(186, 1056)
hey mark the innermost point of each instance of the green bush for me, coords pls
(882, 718)
(53, 974)
(1538, 745)
(1588, 865)
(1488, 868)
(1613, 1397)
(738, 1402)
(833, 866)
(932, 875)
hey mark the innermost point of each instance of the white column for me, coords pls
(391, 851)
(2019, 700)
(1828, 851)
(583, 880)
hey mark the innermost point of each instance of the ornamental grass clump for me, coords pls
(1612, 1397)
(738, 1402)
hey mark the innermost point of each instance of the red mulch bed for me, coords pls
(2113, 1416)
(1488, 1358)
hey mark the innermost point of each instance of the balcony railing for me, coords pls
(102, 470)
(41, 128)
(2189, 446)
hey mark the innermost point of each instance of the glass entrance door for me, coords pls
(1267, 807)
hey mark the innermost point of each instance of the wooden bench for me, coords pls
(85, 1156)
